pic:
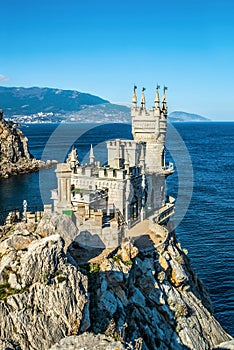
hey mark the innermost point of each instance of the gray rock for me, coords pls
(8, 345)
(88, 341)
(15, 157)
(154, 298)
(52, 223)
(226, 345)
(52, 300)
(168, 313)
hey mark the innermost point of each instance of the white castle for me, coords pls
(107, 201)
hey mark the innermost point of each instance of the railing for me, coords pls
(168, 168)
(119, 216)
(15, 214)
(165, 212)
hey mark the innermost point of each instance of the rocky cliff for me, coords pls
(15, 157)
(130, 298)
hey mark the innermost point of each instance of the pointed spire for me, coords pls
(157, 98)
(91, 155)
(143, 98)
(134, 97)
(164, 100)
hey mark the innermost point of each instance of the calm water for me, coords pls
(207, 228)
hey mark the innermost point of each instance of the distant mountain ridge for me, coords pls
(186, 117)
(46, 105)
(19, 100)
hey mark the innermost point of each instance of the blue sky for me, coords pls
(105, 47)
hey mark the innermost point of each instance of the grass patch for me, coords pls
(6, 290)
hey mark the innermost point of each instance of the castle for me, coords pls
(107, 201)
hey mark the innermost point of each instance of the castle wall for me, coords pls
(126, 150)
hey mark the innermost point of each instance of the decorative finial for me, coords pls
(143, 98)
(157, 98)
(134, 97)
(164, 99)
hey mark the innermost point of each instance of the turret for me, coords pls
(143, 98)
(157, 98)
(134, 97)
(164, 101)
(149, 127)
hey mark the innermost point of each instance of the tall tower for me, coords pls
(149, 127)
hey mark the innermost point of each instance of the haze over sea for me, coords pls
(207, 228)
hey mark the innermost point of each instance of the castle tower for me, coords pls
(149, 127)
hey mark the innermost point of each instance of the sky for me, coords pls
(105, 47)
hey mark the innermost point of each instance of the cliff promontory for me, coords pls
(128, 297)
(15, 157)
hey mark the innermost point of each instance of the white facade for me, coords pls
(132, 184)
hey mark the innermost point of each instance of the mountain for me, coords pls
(179, 116)
(46, 105)
(106, 112)
(25, 101)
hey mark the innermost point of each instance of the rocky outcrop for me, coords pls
(134, 299)
(15, 157)
(229, 345)
(155, 296)
(52, 223)
(43, 295)
(89, 341)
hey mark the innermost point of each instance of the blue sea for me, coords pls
(203, 155)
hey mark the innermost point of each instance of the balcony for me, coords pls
(168, 169)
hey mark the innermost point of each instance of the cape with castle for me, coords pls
(107, 202)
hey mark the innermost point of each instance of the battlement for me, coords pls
(149, 125)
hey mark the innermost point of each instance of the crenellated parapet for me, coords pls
(149, 125)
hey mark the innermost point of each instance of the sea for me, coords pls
(203, 157)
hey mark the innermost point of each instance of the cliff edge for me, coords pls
(15, 157)
(127, 297)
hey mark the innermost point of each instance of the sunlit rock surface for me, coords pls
(141, 298)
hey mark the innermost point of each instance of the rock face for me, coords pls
(157, 297)
(54, 223)
(15, 157)
(89, 341)
(134, 299)
(43, 295)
